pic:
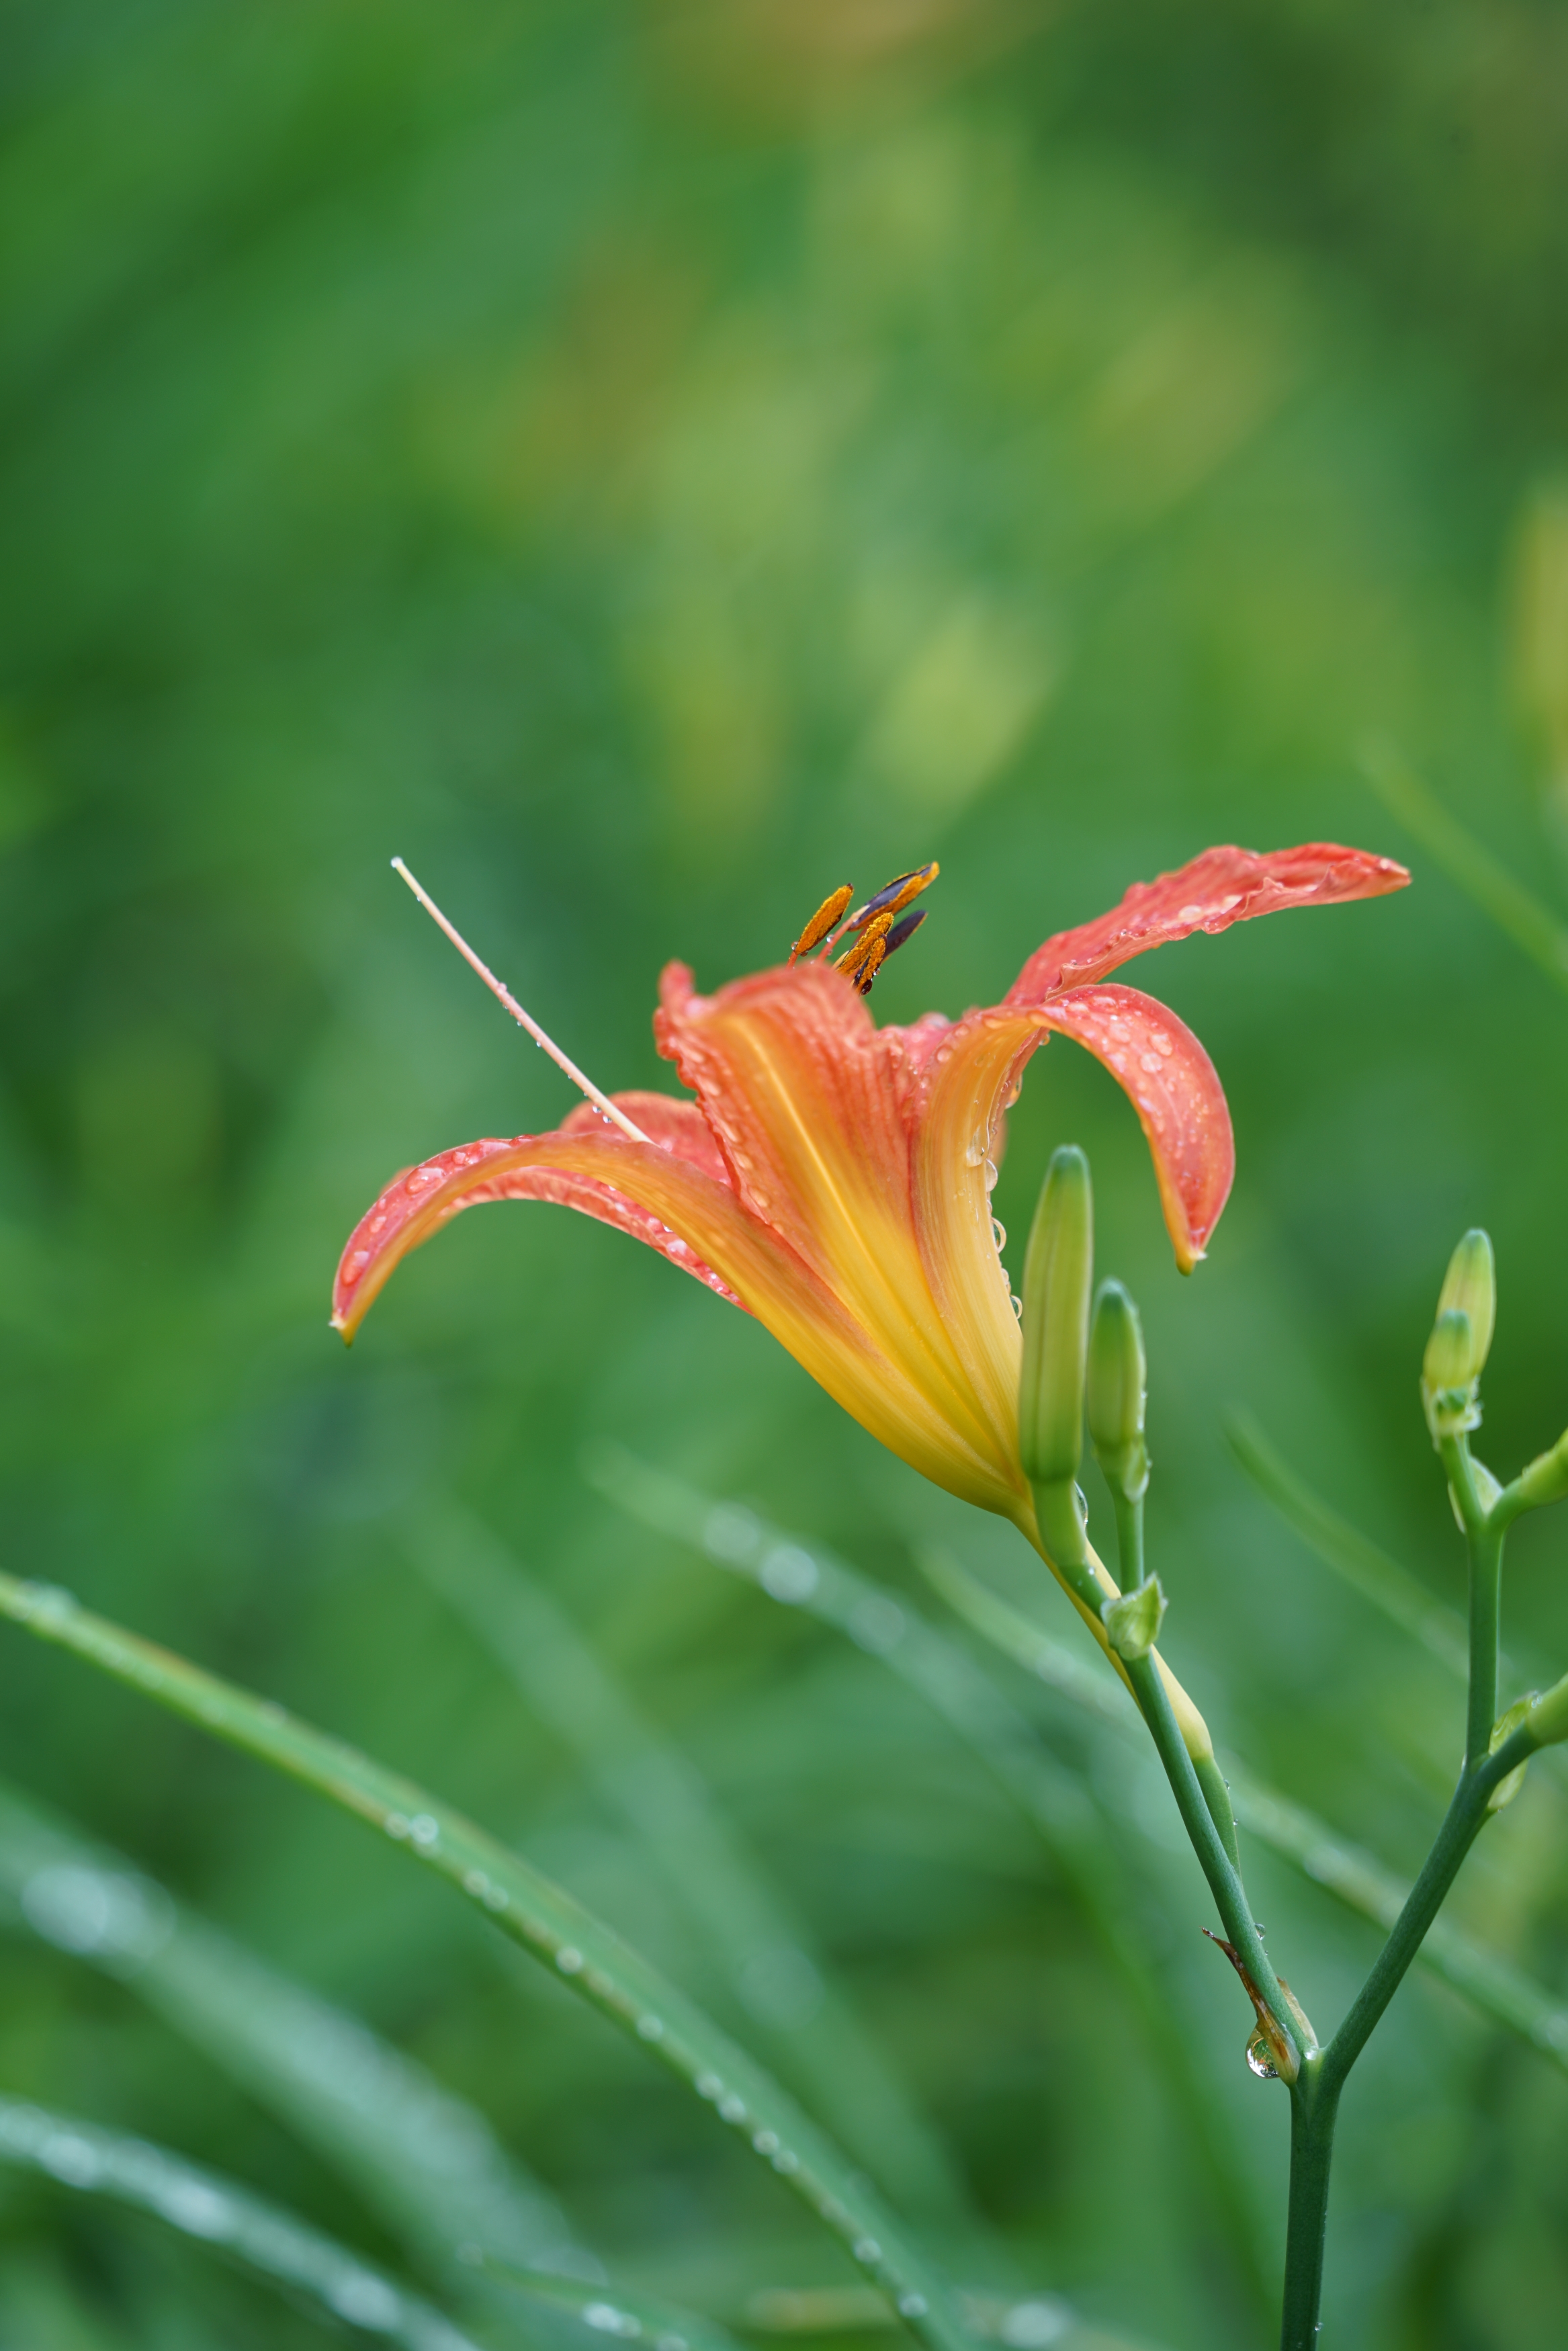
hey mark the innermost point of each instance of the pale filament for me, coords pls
(524, 1019)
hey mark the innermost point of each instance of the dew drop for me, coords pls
(1016, 1302)
(478, 1883)
(999, 1233)
(396, 1825)
(732, 2109)
(866, 2249)
(710, 2085)
(766, 2142)
(568, 1960)
(1260, 2058)
(975, 1155)
(649, 2028)
(424, 1830)
(913, 2305)
(992, 1176)
(1150, 1062)
(785, 2160)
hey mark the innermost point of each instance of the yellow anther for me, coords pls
(852, 963)
(821, 922)
(895, 895)
(876, 955)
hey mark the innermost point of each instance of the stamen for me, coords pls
(876, 955)
(895, 895)
(854, 960)
(901, 932)
(821, 922)
(524, 1019)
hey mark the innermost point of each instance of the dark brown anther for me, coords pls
(821, 922)
(903, 931)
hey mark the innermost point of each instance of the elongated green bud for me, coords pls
(1470, 1287)
(1118, 1379)
(1547, 1720)
(1133, 1623)
(1447, 1383)
(1545, 1479)
(1058, 1271)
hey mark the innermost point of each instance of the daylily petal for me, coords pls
(813, 1109)
(968, 1073)
(667, 1199)
(569, 1168)
(1223, 886)
(1175, 1088)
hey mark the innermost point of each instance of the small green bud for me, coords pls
(1547, 1720)
(1447, 1381)
(1117, 1381)
(1133, 1623)
(1058, 1271)
(1545, 1479)
(1470, 1286)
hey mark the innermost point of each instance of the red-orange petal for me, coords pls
(586, 1165)
(1223, 886)
(1173, 1087)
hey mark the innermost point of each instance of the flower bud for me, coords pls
(1448, 1378)
(1470, 1287)
(1547, 1720)
(1545, 1479)
(1117, 1381)
(1133, 1623)
(1058, 1271)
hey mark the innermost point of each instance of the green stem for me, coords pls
(1315, 2095)
(1483, 1538)
(1224, 1878)
(1314, 2109)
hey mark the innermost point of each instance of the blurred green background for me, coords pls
(646, 464)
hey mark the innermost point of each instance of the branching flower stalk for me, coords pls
(1060, 1361)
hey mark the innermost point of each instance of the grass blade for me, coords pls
(1471, 867)
(1054, 1799)
(1390, 1588)
(548, 1922)
(426, 2162)
(760, 1946)
(216, 2211)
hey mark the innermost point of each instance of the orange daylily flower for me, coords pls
(832, 1178)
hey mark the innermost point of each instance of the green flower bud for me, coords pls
(1547, 1720)
(1447, 1380)
(1470, 1287)
(1133, 1623)
(1117, 1381)
(1546, 1477)
(1058, 1271)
